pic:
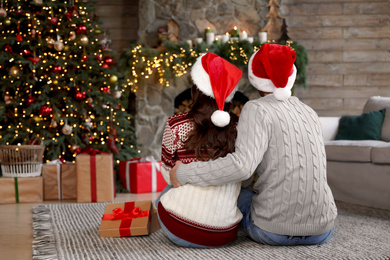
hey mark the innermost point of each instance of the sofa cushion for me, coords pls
(377, 103)
(355, 151)
(367, 126)
(381, 154)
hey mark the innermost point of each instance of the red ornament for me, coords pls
(53, 20)
(45, 110)
(35, 60)
(81, 29)
(108, 61)
(104, 66)
(84, 57)
(30, 99)
(105, 89)
(26, 52)
(57, 69)
(79, 96)
(19, 38)
(8, 47)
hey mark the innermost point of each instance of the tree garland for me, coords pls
(141, 63)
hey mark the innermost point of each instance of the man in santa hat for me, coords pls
(279, 138)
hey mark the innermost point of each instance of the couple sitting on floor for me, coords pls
(208, 155)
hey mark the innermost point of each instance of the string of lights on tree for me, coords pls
(59, 83)
(141, 63)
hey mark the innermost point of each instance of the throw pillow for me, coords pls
(367, 126)
(376, 103)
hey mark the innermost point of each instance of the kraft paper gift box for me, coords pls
(95, 177)
(126, 219)
(59, 181)
(140, 176)
(154, 222)
(21, 190)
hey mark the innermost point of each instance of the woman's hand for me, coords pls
(172, 175)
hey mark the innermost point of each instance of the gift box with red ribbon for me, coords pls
(141, 175)
(95, 176)
(59, 180)
(126, 219)
(21, 190)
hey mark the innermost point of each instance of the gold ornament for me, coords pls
(14, 71)
(67, 129)
(113, 79)
(117, 93)
(50, 41)
(53, 123)
(36, 118)
(55, 82)
(83, 40)
(7, 99)
(7, 22)
(72, 35)
(66, 48)
(58, 46)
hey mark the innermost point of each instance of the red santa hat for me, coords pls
(272, 69)
(216, 78)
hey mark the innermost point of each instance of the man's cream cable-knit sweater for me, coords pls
(283, 141)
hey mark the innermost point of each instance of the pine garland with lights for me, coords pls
(140, 62)
(59, 84)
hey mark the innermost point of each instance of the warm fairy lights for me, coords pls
(164, 66)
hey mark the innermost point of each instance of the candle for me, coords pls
(225, 38)
(198, 40)
(250, 39)
(217, 40)
(209, 38)
(263, 37)
(189, 43)
(235, 32)
(243, 36)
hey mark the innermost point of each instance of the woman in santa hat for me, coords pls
(195, 216)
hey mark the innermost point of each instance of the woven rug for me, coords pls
(70, 231)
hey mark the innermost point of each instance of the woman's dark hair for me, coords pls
(207, 140)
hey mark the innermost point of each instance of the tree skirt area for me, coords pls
(70, 231)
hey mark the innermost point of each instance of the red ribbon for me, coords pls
(89, 150)
(127, 215)
(92, 152)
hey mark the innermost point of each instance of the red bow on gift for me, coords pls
(91, 151)
(119, 214)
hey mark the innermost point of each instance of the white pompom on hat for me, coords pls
(217, 78)
(271, 69)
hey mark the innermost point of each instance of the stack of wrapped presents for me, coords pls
(90, 179)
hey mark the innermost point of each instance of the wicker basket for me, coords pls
(21, 160)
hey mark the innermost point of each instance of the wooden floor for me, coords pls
(16, 226)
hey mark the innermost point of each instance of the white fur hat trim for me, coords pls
(267, 85)
(220, 118)
(202, 80)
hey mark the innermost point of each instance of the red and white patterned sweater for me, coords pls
(202, 215)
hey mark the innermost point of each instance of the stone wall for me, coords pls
(154, 104)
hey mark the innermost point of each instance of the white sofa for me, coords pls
(358, 171)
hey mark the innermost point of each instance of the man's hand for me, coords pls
(172, 175)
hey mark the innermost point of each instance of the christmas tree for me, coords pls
(59, 86)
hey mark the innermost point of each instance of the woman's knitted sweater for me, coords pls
(202, 215)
